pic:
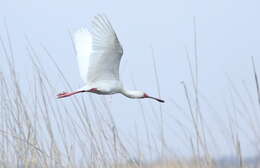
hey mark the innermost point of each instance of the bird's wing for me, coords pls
(99, 52)
(83, 46)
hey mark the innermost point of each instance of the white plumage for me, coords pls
(99, 53)
(83, 46)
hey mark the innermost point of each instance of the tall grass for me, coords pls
(36, 130)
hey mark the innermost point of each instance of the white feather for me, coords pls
(83, 46)
(99, 52)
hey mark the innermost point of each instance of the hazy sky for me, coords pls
(228, 35)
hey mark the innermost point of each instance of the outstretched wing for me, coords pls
(99, 52)
(83, 46)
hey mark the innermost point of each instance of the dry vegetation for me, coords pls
(37, 131)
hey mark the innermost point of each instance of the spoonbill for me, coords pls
(99, 53)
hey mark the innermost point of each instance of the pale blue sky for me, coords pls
(228, 35)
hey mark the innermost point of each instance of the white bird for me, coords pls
(99, 53)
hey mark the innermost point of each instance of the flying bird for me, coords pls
(99, 53)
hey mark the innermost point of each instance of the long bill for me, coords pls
(157, 99)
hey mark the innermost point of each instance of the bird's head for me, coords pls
(140, 95)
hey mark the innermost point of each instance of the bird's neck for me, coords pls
(130, 93)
